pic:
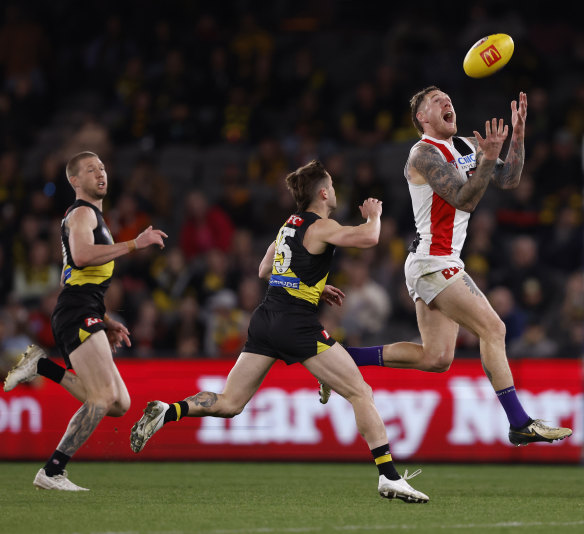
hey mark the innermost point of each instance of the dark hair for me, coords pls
(416, 102)
(305, 182)
(73, 164)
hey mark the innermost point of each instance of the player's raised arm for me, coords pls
(362, 236)
(508, 174)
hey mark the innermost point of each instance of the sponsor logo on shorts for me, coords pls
(450, 272)
(90, 321)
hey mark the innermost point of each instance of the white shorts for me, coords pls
(427, 276)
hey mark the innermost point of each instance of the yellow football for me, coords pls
(488, 55)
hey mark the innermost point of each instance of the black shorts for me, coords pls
(75, 318)
(289, 335)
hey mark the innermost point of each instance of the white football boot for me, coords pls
(25, 369)
(400, 489)
(150, 423)
(58, 482)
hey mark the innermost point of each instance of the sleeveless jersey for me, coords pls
(298, 277)
(441, 228)
(92, 277)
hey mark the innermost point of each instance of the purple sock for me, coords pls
(366, 355)
(515, 412)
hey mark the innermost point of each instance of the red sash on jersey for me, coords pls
(442, 214)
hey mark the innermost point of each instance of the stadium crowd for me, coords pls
(199, 114)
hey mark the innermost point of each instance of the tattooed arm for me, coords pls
(508, 173)
(428, 164)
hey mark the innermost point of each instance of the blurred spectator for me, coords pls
(365, 122)
(107, 53)
(92, 136)
(562, 243)
(226, 326)
(126, 220)
(173, 278)
(186, 330)
(37, 277)
(205, 227)
(533, 343)
(520, 211)
(148, 332)
(236, 197)
(249, 44)
(532, 284)
(216, 274)
(24, 48)
(366, 307)
(561, 172)
(365, 183)
(267, 162)
(503, 303)
(151, 189)
(39, 320)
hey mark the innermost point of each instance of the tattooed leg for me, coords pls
(81, 426)
(472, 286)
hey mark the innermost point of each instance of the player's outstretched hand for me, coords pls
(495, 135)
(519, 115)
(150, 236)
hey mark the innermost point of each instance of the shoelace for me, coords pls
(414, 474)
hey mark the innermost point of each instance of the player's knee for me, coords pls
(497, 330)
(120, 407)
(440, 360)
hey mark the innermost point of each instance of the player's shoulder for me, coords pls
(81, 214)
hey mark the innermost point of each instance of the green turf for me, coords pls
(266, 498)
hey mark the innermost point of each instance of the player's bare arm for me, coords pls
(265, 269)
(330, 231)
(508, 175)
(81, 223)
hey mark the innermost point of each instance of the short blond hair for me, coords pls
(73, 164)
(416, 102)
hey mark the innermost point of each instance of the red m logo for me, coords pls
(490, 55)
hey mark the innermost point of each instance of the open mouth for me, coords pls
(448, 117)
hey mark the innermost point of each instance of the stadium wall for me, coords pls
(429, 417)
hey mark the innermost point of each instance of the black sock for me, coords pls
(56, 464)
(49, 369)
(384, 463)
(176, 411)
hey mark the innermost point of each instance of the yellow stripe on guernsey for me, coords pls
(92, 274)
(309, 293)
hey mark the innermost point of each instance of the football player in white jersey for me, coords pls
(447, 176)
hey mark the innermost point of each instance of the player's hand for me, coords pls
(371, 208)
(519, 115)
(150, 237)
(117, 334)
(332, 295)
(495, 135)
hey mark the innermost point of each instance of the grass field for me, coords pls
(266, 498)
